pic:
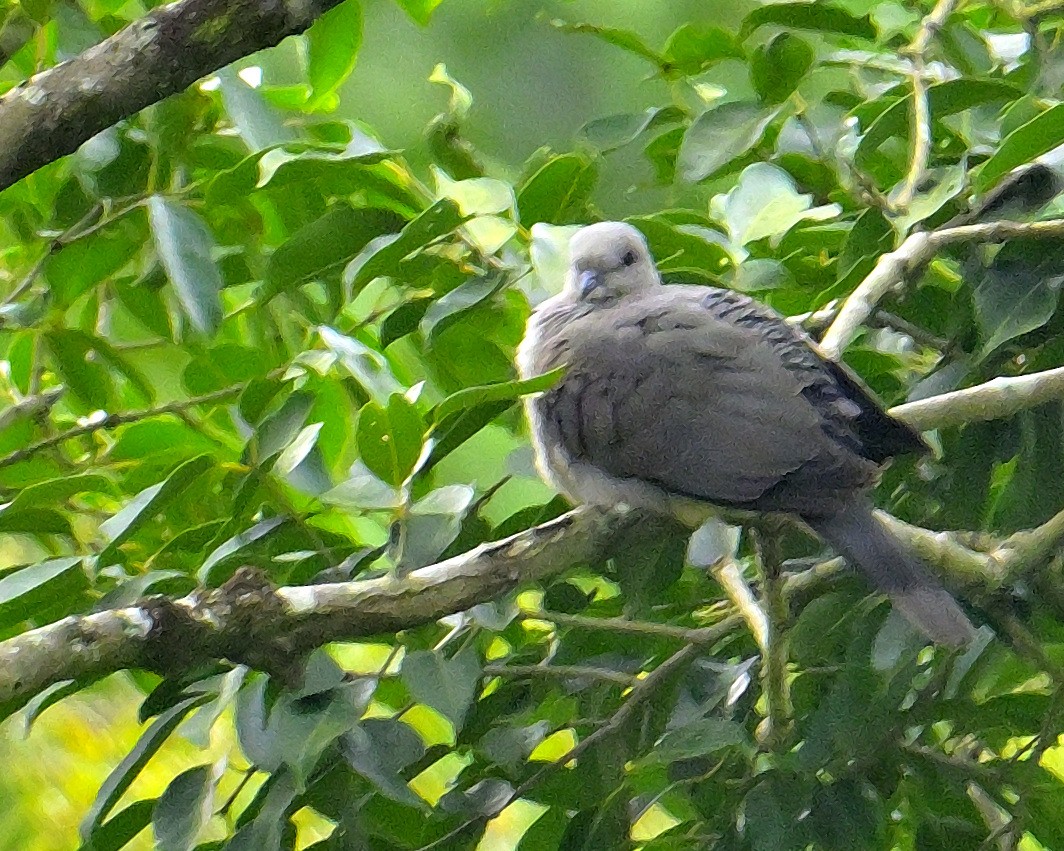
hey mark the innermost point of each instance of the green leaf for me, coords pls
(184, 809)
(446, 310)
(818, 16)
(233, 548)
(558, 192)
(456, 429)
(333, 41)
(186, 247)
(264, 823)
(119, 831)
(277, 431)
(615, 131)
(297, 451)
(692, 48)
(624, 39)
(132, 763)
(80, 354)
(779, 66)
(29, 590)
(258, 124)
(447, 685)
(54, 491)
(772, 813)
(419, 10)
(87, 261)
(150, 502)
(766, 203)
(870, 236)
(382, 255)
(323, 246)
(1018, 291)
(34, 521)
(847, 814)
(473, 396)
(77, 363)
(699, 738)
(711, 542)
(379, 749)
(362, 490)
(720, 135)
(390, 438)
(947, 98)
(1039, 135)
(431, 525)
(370, 368)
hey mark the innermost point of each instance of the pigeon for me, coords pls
(673, 393)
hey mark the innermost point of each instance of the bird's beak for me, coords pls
(588, 281)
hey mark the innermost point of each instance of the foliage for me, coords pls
(238, 330)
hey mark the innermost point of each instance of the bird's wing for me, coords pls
(668, 390)
(830, 386)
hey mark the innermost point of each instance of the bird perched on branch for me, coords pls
(679, 392)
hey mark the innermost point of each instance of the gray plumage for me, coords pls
(689, 392)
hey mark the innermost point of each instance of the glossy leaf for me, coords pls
(720, 135)
(323, 246)
(186, 250)
(778, 67)
(447, 685)
(28, 591)
(1039, 135)
(390, 438)
(473, 396)
(184, 809)
(333, 41)
(149, 502)
(816, 16)
(558, 192)
(131, 765)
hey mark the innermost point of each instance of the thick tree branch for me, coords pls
(247, 621)
(161, 54)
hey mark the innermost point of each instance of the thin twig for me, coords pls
(565, 672)
(921, 112)
(779, 711)
(638, 696)
(31, 406)
(728, 573)
(690, 635)
(57, 243)
(115, 420)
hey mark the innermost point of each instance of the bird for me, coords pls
(679, 393)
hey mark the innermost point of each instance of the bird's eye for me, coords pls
(629, 258)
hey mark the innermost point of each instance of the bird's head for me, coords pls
(609, 260)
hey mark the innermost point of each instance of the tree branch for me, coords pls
(921, 112)
(996, 399)
(247, 621)
(115, 420)
(563, 672)
(158, 55)
(636, 698)
(913, 254)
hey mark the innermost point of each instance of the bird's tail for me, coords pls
(869, 545)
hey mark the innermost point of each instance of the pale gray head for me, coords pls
(608, 260)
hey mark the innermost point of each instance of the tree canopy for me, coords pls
(263, 459)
